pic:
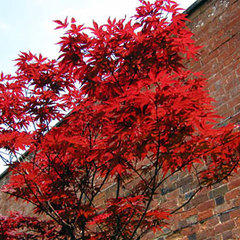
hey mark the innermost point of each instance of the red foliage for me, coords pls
(18, 227)
(135, 116)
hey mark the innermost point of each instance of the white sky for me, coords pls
(26, 25)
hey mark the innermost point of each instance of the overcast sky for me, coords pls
(27, 25)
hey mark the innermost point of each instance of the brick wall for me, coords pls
(10, 204)
(212, 213)
(216, 25)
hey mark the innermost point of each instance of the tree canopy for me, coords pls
(131, 114)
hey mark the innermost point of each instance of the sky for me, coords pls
(27, 25)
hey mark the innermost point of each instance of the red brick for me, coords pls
(190, 230)
(232, 194)
(189, 213)
(199, 198)
(205, 215)
(236, 202)
(227, 235)
(212, 222)
(206, 205)
(237, 221)
(224, 226)
(236, 233)
(170, 204)
(206, 234)
(235, 183)
(235, 214)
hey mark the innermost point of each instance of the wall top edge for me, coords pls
(194, 6)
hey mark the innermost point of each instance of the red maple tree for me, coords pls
(131, 115)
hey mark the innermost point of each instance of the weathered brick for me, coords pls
(220, 209)
(224, 217)
(167, 190)
(182, 223)
(218, 191)
(219, 200)
(192, 237)
(186, 180)
(192, 219)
